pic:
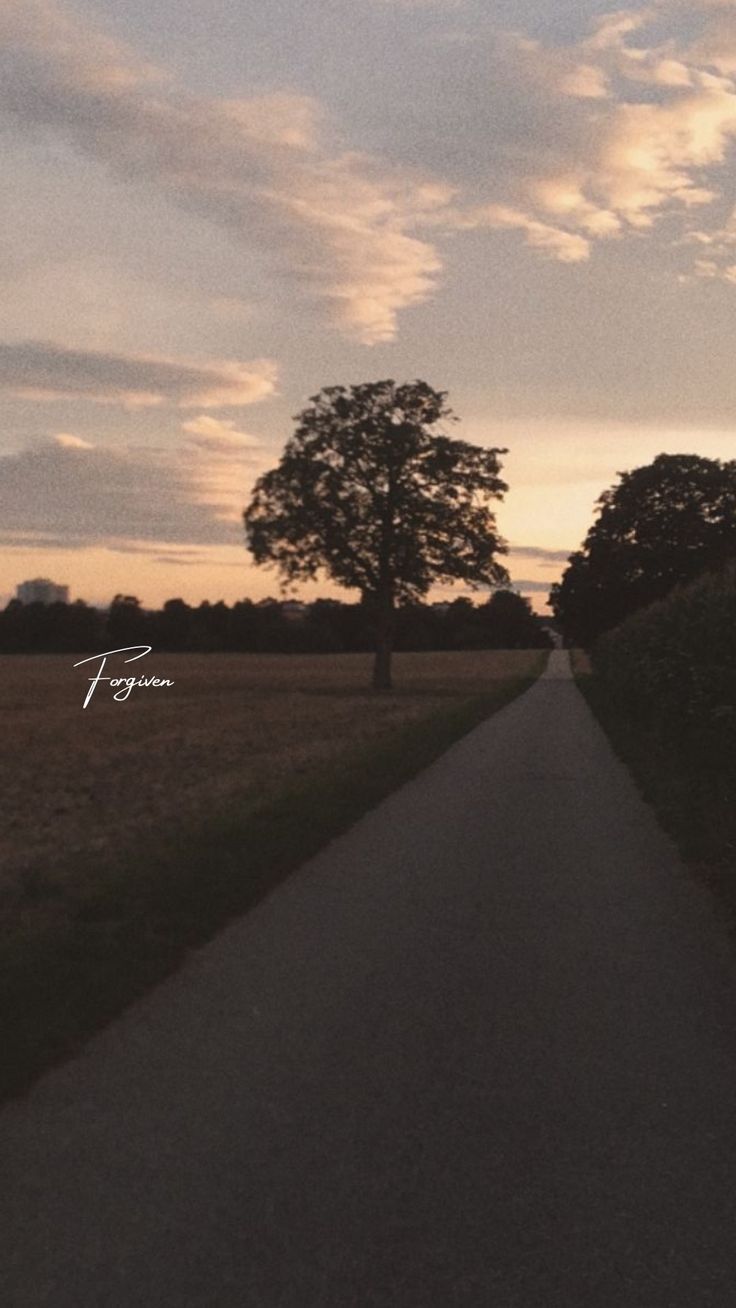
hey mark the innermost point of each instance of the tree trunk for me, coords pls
(382, 666)
(384, 644)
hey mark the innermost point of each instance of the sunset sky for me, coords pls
(212, 208)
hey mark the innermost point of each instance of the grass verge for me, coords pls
(81, 949)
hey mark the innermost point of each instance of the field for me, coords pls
(126, 824)
(232, 727)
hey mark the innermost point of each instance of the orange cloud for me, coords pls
(639, 156)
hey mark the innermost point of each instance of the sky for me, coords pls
(211, 210)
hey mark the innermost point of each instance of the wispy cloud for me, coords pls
(650, 123)
(639, 125)
(531, 587)
(47, 371)
(567, 247)
(537, 552)
(218, 434)
(215, 456)
(68, 441)
(70, 492)
(265, 167)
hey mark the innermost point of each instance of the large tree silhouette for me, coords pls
(662, 524)
(371, 493)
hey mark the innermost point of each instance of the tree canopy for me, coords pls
(660, 525)
(372, 494)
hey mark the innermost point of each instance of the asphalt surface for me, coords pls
(480, 1051)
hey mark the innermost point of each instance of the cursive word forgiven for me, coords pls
(124, 685)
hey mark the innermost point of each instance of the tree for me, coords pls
(661, 525)
(509, 623)
(462, 625)
(127, 624)
(173, 625)
(370, 493)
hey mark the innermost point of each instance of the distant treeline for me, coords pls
(505, 621)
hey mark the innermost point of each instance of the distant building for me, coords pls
(41, 591)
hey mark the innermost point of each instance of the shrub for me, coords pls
(668, 675)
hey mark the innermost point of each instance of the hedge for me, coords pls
(667, 677)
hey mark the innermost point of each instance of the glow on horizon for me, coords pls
(555, 478)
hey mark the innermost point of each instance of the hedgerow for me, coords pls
(666, 681)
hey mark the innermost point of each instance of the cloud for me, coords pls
(68, 441)
(563, 196)
(636, 125)
(264, 167)
(718, 245)
(610, 30)
(586, 82)
(215, 454)
(649, 123)
(715, 47)
(649, 155)
(76, 494)
(537, 552)
(531, 587)
(567, 247)
(47, 371)
(44, 29)
(218, 434)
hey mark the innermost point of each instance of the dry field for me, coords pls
(232, 728)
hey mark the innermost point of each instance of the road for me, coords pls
(479, 1052)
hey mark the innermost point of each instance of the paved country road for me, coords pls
(480, 1052)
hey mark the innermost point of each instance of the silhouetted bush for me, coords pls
(51, 628)
(669, 672)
